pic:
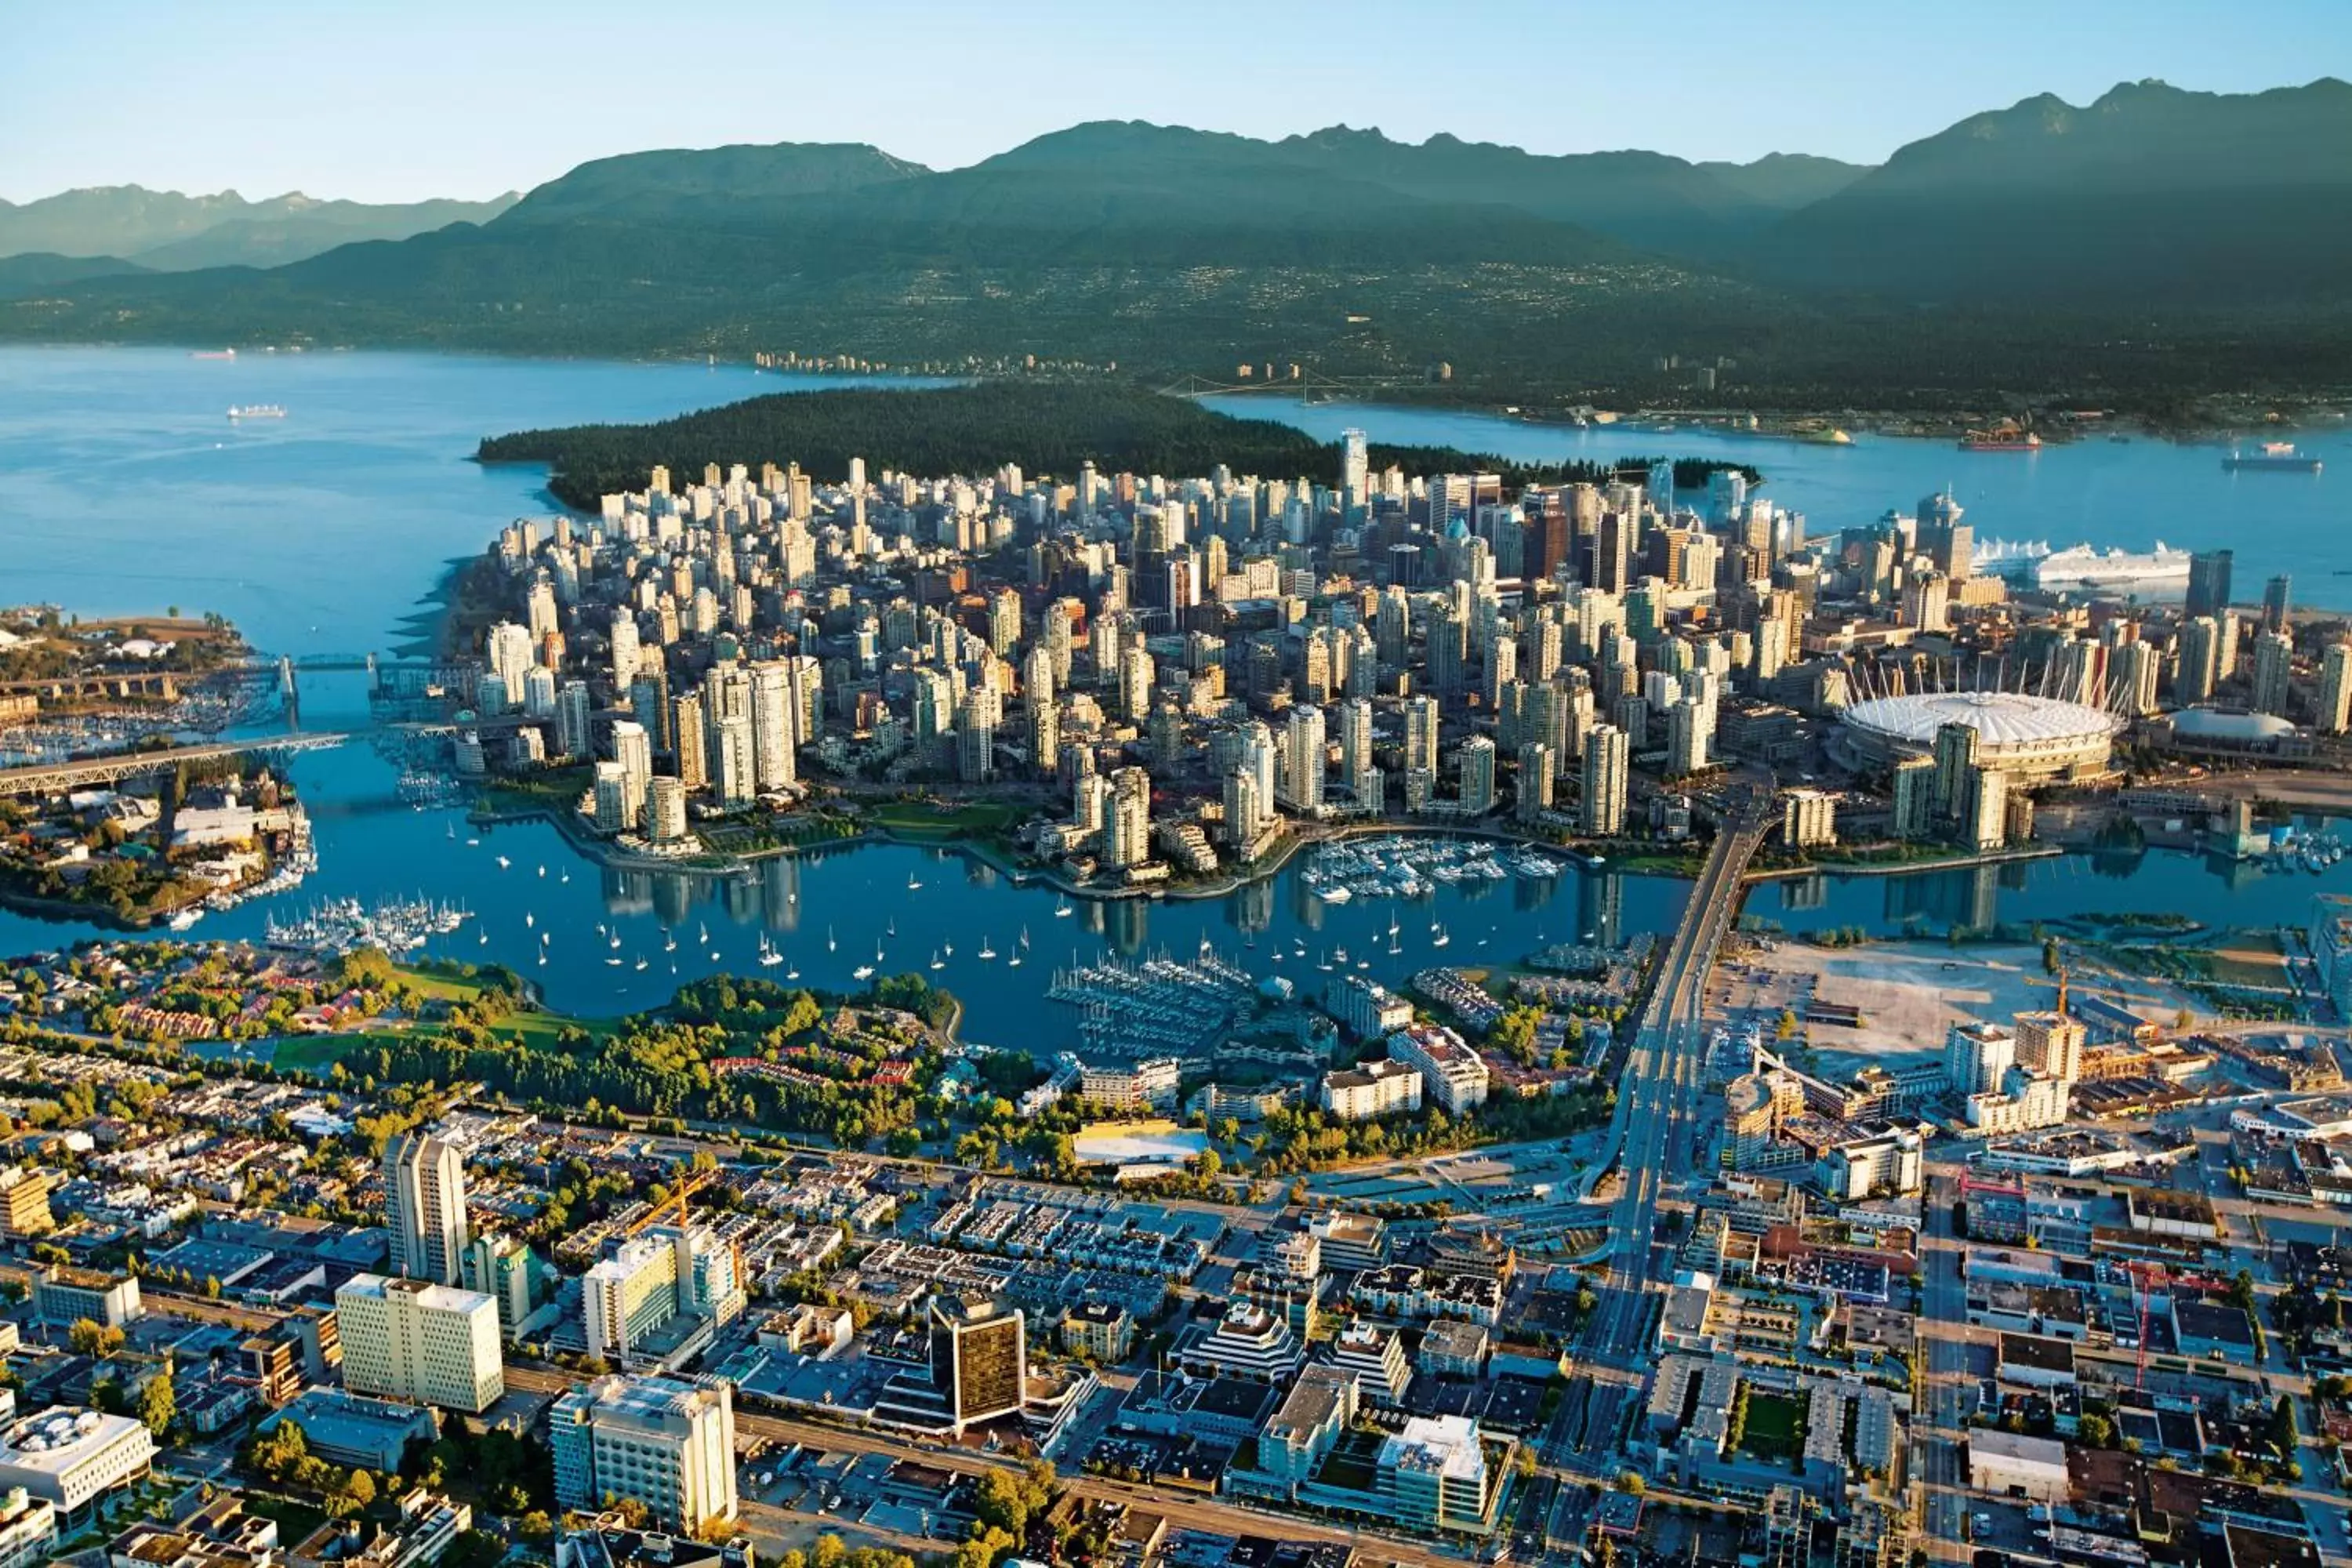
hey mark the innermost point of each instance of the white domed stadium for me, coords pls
(2029, 738)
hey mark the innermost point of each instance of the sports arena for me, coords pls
(2029, 738)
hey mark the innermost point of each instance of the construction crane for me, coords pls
(691, 1183)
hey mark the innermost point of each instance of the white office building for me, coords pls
(410, 1338)
(662, 1442)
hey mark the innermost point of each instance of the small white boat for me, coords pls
(543, 870)
(829, 943)
(703, 935)
(986, 952)
(472, 843)
(543, 958)
(912, 884)
(485, 942)
(613, 961)
(862, 972)
(565, 877)
(530, 920)
(669, 942)
(936, 963)
(643, 964)
(504, 862)
(1062, 909)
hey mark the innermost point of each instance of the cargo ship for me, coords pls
(258, 411)
(2278, 455)
(2080, 566)
(2001, 441)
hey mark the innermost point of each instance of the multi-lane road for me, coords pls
(1655, 1129)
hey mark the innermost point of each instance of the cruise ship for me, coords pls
(2080, 566)
(2279, 455)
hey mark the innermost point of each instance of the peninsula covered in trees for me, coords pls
(1045, 427)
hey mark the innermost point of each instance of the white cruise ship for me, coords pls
(2080, 566)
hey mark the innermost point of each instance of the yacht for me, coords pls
(643, 962)
(504, 862)
(862, 972)
(768, 956)
(1441, 939)
(1062, 911)
(936, 963)
(529, 920)
(472, 843)
(986, 949)
(913, 885)
(616, 962)
(669, 942)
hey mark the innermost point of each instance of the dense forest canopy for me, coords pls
(1047, 428)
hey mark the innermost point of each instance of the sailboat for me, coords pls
(1441, 939)
(565, 877)
(486, 940)
(1062, 911)
(912, 884)
(936, 963)
(504, 862)
(829, 943)
(669, 942)
(453, 832)
(529, 920)
(616, 939)
(542, 869)
(542, 957)
(643, 962)
(768, 956)
(702, 935)
(986, 950)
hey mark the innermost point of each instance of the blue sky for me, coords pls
(395, 101)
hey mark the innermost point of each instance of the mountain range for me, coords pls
(2155, 242)
(166, 231)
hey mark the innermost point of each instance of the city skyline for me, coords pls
(436, 103)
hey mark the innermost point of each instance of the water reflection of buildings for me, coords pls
(1601, 907)
(627, 892)
(1805, 892)
(1251, 907)
(779, 888)
(673, 896)
(1968, 897)
(1305, 907)
(1127, 924)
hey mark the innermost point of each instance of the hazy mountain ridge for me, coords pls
(2155, 238)
(2149, 192)
(169, 231)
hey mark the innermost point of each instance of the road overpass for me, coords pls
(1657, 1115)
(50, 778)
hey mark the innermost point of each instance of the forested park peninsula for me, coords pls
(1049, 429)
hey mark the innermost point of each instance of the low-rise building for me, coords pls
(1373, 1089)
(1102, 1329)
(74, 1459)
(1453, 1075)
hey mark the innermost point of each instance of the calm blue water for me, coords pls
(2097, 491)
(123, 489)
(2218, 892)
